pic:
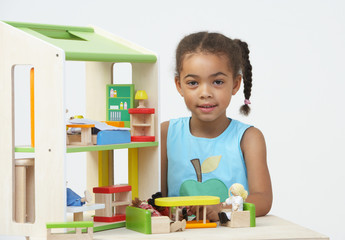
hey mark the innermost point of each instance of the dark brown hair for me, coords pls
(216, 43)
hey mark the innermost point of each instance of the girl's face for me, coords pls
(207, 85)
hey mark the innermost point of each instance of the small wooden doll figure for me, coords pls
(73, 199)
(239, 195)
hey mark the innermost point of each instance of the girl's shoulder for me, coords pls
(252, 134)
(173, 122)
(253, 141)
(164, 127)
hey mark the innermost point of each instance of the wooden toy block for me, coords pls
(70, 236)
(24, 192)
(112, 189)
(142, 122)
(251, 208)
(138, 220)
(115, 198)
(160, 224)
(85, 137)
(107, 200)
(239, 219)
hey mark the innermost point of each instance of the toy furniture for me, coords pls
(86, 136)
(141, 96)
(245, 218)
(46, 48)
(140, 220)
(120, 97)
(191, 201)
(107, 137)
(142, 120)
(239, 219)
(79, 210)
(103, 137)
(114, 210)
(251, 208)
(72, 236)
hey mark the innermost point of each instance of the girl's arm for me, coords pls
(164, 158)
(260, 190)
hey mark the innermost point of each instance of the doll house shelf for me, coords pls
(47, 48)
(142, 124)
(115, 198)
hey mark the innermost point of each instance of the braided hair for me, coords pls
(215, 43)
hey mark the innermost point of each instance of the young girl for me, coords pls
(209, 71)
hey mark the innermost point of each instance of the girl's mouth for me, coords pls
(207, 108)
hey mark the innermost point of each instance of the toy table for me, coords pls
(188, 201)
(268, 227)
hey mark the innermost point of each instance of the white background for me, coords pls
(297, 53)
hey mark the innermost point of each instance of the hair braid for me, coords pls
(247, 75)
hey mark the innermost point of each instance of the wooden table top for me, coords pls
(268, 227)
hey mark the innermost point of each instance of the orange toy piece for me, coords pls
(32, 106)
(200, 224)
(116, 123)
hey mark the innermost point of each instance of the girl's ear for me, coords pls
(178, 85)
(237, 84)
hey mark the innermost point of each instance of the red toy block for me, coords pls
(143, 138)
(112, 189)
(116, 218)
(141, 111)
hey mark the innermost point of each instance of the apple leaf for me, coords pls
(211, 187)
(210, 164)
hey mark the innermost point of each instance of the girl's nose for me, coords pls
(205, 91)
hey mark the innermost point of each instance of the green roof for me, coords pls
(84, 44)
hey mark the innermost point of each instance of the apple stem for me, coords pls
(197, 168)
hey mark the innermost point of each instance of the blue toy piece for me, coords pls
(113, 137)
(73, 199)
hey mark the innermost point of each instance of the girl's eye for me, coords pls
(192, 83)
(218, 82)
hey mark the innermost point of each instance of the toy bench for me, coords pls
(79, 210)
(140, 220)
(65, 236)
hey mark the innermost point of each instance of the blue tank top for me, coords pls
(218, 160)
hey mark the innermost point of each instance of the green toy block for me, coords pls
(251, 208)
(69, 224)
(138, 220)
(109, 226)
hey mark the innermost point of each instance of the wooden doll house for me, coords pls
(46, 48)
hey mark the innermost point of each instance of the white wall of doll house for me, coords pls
(297, 53)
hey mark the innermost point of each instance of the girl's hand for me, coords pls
(211, 211)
